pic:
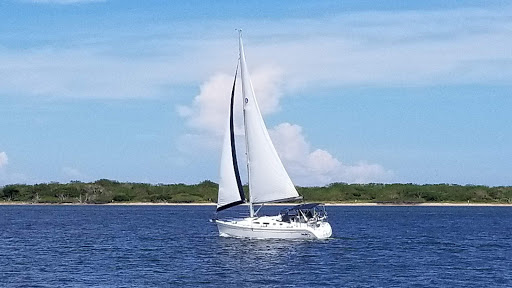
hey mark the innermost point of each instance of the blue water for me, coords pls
(166, 246)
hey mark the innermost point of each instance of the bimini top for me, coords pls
(306, 206)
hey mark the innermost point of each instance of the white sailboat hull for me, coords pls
(269, 227)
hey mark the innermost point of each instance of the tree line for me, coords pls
(109, 191)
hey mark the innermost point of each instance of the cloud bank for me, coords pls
(81, 73)
(380, 48)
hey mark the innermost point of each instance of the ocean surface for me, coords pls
(177, 246)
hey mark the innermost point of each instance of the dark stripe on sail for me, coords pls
(230, 205)
(232, 136)
(233, 150)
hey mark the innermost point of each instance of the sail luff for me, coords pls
(268, 179)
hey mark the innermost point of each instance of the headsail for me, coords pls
(231, 192)
(268, 180)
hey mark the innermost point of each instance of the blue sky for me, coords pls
(352, 91)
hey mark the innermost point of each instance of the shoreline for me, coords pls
(433, 204)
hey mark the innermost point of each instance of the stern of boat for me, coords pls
(322, 230)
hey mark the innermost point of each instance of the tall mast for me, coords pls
(242, 59)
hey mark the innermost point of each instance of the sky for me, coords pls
(351, 91)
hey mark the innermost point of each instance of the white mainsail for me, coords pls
(268, 180)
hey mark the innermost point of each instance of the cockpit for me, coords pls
(304, 213)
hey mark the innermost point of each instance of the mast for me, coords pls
(242, 58)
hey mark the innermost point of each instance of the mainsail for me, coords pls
(231, 192)
(268, 180)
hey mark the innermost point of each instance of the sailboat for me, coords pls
(268, 180)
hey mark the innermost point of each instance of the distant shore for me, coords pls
(205, 193)
(441, 204)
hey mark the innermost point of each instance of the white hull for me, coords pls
(268, 227)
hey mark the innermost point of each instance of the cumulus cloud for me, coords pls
(4, 160)
(308, 166)
(209, 110)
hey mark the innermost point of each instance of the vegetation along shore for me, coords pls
(108, 191)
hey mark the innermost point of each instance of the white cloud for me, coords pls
(209, 110)
(4, 160)
(207, 116)
(81, 73)
(318, 167)
(383, 48)
(412, 48)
